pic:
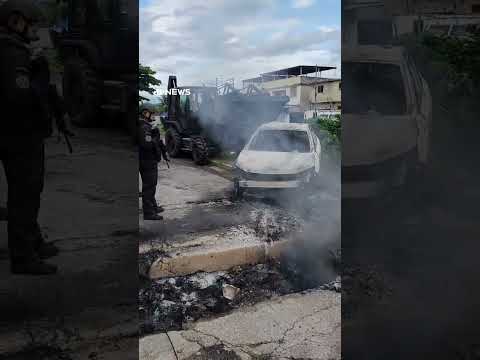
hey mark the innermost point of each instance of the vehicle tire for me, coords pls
(173, 142)
(237, 190)
(199, 150)
(80, 91)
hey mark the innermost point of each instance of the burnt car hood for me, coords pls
(371, 138)
(274, 163)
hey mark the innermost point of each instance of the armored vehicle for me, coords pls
(99, 49)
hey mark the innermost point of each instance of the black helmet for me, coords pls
(27, 8)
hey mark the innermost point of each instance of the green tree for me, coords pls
(462, 58)
(146, 81)
(329, 129)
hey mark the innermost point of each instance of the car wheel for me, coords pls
(173, 142)
(199, 150)
(237, 190)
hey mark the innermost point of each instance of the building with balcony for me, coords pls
(304, 85)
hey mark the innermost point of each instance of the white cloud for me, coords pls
(301, 4)
(238, 39)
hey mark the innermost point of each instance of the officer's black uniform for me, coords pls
(149, 156)
(21, 153)
(50, 106)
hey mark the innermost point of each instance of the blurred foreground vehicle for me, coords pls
(386, 120)
(99, 49)
(278, 156)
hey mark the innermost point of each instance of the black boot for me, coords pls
(46, 250)
(159, 209)
(33, 266)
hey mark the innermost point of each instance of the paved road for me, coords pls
(299, 326)
(198, 200)
(198, 212)
(89, 210)
(195, 200)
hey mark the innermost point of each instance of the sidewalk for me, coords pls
(300, 326)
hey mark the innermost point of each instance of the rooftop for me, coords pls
(289, 72)
(298, 70)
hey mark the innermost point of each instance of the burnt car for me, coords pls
(279, 155)
(386, 120)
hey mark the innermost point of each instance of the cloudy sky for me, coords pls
(200, 41)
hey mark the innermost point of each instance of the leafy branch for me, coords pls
(146, 80)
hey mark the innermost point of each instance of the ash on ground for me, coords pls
(173, 303)
(146, 260)
(216, 352)
(272, 224)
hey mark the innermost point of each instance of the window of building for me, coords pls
(320, 89)
(339, 86)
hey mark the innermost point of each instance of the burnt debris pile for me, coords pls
(170, 304)
(272, 224)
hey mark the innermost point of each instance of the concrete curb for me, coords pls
(216, 260)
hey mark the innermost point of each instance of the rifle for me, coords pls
(161, 147)
(59, 111)
(164, 153)
(67, 140)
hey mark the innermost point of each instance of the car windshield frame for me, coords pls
(405, 87)
(252, 143)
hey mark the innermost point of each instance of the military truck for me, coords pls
(211, 119)
(100, 55)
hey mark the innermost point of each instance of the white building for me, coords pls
(303, 84)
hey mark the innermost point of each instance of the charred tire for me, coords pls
(173, 143)
(80, 89)
(199, 151)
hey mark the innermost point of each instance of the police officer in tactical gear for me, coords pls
(162, 150)
(150, 153)
(22, 138)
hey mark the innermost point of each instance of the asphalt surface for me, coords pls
(411, 257)
(89, 210)
(198, 200)
(198, 205)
